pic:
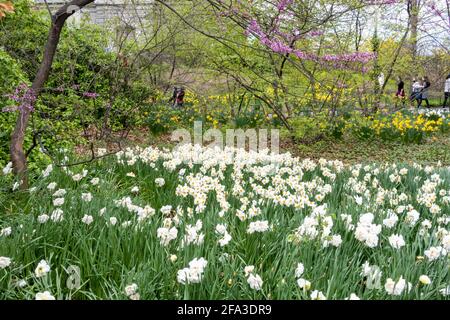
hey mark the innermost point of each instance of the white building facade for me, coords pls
(100, 12)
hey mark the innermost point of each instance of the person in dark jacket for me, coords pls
(424, 92)
(401, 90)
(180, 97)
(177, 97)
(174, 96)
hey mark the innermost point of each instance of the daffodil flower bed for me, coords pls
(405, 126)
(410, 128)
(199, 223)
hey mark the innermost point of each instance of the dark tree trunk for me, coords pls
(18, 156)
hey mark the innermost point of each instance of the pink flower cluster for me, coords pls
(315, 33)
(283, 43)
(380, 2)
(254, 29)
(24, 96)
(280, 46)
(283, 4)
(276, 45)
(91, 95)
(362, 57)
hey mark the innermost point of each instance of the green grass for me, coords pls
(112, 257)
(351, 150)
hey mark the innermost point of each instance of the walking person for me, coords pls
(180, 97)
(424, 92)
(446, 91)
(174, 97)
(416, 92)
(400, 90)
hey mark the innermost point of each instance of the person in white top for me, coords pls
(417, 87)
(446, 90)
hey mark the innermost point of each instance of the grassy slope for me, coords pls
(354, 151)
(351, 150)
